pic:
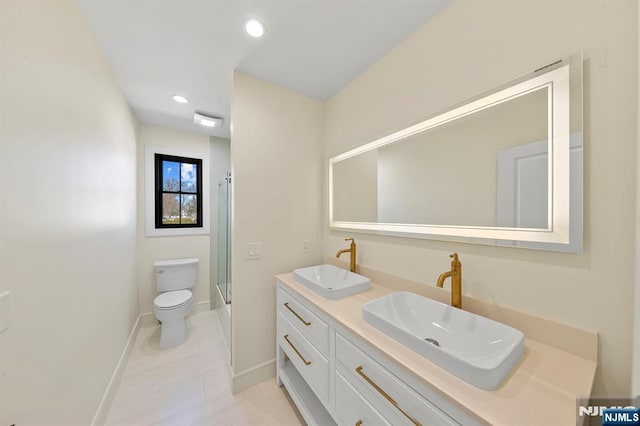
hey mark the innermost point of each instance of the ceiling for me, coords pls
(159, 48)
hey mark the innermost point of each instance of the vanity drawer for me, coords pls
(308, 323)
(309, 362)
(396, 401)
(352, 408)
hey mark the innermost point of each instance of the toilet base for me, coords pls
(173, 333)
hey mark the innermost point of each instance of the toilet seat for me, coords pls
(172, 299)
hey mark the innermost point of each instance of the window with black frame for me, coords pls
(178, 192)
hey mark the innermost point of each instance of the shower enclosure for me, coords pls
(224, 239)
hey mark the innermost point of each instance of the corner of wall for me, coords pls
(276, 150)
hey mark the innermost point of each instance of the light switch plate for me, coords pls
(254, 251)
(4, 311)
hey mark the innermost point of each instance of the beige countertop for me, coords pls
(541, 390)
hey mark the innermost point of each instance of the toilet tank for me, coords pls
(176, 274)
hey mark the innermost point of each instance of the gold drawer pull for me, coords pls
(386, 396)
(286, 305)
(286, 337)
(359, 423)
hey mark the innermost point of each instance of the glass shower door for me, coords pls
(224, 239)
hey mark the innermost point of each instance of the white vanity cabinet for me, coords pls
(334, 380)
(304, 338)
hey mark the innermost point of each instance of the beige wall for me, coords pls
(67, 188)
(467, 48)
(636, 350)
(155, 248)
(276, 153)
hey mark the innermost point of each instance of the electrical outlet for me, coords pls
(305, 246)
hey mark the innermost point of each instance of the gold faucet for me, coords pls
(352, 250)
(456, 280)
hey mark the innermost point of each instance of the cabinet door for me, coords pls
(397, 402)
(312, 326)
(309, 362)
(352, 408)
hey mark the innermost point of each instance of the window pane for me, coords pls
(170, 176)
(178, 186)
(188, 174)
(189, 209)
(170, 209)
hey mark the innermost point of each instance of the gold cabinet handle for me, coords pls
(359, 423)
(286, 305)
(286, 337)
(386, 396)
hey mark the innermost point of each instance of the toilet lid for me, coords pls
(171, 299)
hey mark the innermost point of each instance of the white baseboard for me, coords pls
(196, 308)
(110, 391)
(200, 307)
(253, 376)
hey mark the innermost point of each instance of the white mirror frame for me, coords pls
(556, 82)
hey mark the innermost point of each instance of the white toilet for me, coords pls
(174, 277)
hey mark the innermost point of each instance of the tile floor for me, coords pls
(190, 384)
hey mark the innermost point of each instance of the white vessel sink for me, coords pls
(478, 350)
(331, 282)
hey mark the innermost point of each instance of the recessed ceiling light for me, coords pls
(254, 28)
(207, 120)
(180, 99)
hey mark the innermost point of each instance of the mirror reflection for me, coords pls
(447, 175)
(504, 168)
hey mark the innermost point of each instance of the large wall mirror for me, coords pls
(504, 168)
